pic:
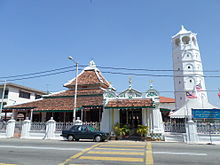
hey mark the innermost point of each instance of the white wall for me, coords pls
(13, 96)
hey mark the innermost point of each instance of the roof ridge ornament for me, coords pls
(182, 31)
(130, 83)
(151, 83)
(91, 66)
(182, 27)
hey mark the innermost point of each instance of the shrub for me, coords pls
(142, 130)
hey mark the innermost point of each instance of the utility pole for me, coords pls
(76, 84)
(3, 96)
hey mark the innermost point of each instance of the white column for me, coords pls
(144, 116)
(191, 132)
(26, 127)
(50, 129)
(116, 116)
(10, 128)
(43, 117)
(158, 126)
(105, 122)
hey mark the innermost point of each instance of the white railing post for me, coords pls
(50, 129)
(191, 132)
(26, 127)
(10, 128)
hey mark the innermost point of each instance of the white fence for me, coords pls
(206, 132)
(37, 130)
(175, 127)
(38, 126)
(208, 128)
(3, 125)
(61, 125)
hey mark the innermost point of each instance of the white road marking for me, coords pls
(182, 153)
(41, 148)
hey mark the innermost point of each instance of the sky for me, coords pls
(39, 35)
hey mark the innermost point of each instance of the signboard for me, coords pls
(206, 113)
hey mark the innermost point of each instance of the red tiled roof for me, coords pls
(166, 100)
(61, 103)
(88, 77)
(129, 103)
(79, 92)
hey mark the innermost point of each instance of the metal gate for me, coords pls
(18, 127)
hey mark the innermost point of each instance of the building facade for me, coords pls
(18, 94)
(97, 101)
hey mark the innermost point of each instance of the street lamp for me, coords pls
(75, 95)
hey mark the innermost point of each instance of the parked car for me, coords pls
(84, 132)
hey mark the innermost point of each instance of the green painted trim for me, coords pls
(92, 106)
(66, 110)
(164, 109)
(128, 107)
(54, 111)
(54, 97)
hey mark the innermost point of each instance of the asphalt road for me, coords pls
(52, 152)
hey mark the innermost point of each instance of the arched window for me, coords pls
(177, 42)
(194, 41)
(186, 40)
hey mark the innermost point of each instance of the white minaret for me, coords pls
(188, 71)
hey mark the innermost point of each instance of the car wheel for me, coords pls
(98, 138)
(70, 138)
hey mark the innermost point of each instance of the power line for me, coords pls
(64, 70)
(30, 74)
(10, 80)
(153, 70)
(113, 68)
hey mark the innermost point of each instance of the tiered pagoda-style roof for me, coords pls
(90, 77)
(91, 86)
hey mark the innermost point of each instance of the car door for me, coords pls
(90, 132)
(81, 132)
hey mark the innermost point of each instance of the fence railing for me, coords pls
(2, 126)
(38, 126)
(175, 127)
(61, 125)
(208, 128)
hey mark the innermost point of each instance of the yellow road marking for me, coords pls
(79, 154)
(119, 149)
(133, 146)
(149, 154)
(116, 153)
(122, 159)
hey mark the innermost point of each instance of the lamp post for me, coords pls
(75, 95)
